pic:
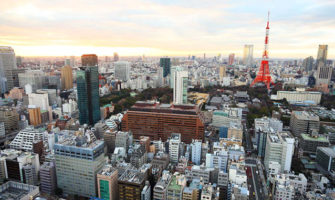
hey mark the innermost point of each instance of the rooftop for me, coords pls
(330, 151)
(304, 115)
(107, 170)
(152, 106)
(132, 176)
(14, 190)
(316, 139)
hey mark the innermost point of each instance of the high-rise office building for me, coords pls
(165, 63)
(66, 76)
(180, 87)
(248, 54)
(76, 156)
(303, 122)
(116, 57)
(307, 63)
(108, 183)
(279, 148)
(172, 74)
(10, 118)
(7, 61)
(324, 74)
(34, 78)
(222, 72)
(322, 54)
(231, 59)
(122, 70)
(325, 157)
(88, 95)
(12, 76)
(158, 121)
(89, 60)
(35, 117)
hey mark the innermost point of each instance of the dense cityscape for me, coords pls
(114, 127)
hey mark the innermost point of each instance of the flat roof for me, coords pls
(304, 115)
(330, 151)
(316, 139)
(151, 106)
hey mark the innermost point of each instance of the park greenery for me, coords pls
(123, 100)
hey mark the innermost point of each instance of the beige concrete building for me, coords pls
(66, 78)
(107, 180)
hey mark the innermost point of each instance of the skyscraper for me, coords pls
(248, 54)
(172, 74)
(279, 148)
(88, 95)
(122, 69)
(322, 54)
(166, 64)
(307, 64)
(231, 59)
(116, 57)
(89, 60)
(66, 77)
(180, 87)
(324, 72)
(77, 165)
(222, 72)
(7, 61)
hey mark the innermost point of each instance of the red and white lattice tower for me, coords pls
(263, 75)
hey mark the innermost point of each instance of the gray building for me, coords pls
(302, 122)
(35, 78)
(78, 161)
(325, 157)
(309, 143)
(160, 189)
(48, 178)
(7, 62)
(122, 69)
(123, 139)
(138, 155)
(12, 76)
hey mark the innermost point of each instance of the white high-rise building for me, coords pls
(172, 75)
(122, 70)
(196, 152)
(180, 87)
(248, 54)
(279, 148)
(174, 146)
(39, 100)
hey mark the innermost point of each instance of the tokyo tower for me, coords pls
(263, 75)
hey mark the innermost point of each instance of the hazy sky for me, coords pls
(166, 27)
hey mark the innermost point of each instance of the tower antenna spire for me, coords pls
(263, 75)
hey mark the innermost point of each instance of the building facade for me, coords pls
(158, 121)
(88, 95)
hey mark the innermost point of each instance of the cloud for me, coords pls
(175, 27)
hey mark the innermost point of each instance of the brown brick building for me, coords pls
(157, 121)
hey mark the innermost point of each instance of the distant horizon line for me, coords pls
(197, 56)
